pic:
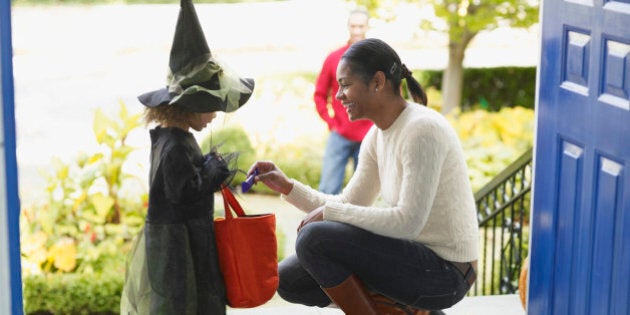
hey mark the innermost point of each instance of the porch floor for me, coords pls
(478, 305)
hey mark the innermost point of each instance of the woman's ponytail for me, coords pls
(414, 87)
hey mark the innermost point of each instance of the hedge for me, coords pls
(84, 294)
(490, 88)
(73, 294)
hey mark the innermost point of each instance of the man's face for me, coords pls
(357, 27)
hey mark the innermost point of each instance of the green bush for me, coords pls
(492, 140)
(280, 239)
(300, 160)
(73, 242)
(490, 88)
(73, 294)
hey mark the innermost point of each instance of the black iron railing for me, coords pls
(503, 213)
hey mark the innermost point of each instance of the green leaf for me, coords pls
(102, 204)
(102, 123)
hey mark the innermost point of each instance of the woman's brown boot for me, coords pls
(351, 297)
(387, 306)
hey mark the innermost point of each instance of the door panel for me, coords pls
(607, 208)
(570, 176)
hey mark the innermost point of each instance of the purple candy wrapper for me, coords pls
(249, 182)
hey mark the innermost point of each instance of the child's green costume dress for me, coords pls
(173, 267)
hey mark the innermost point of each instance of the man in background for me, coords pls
(345, 136)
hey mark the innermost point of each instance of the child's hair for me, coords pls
(167, 114)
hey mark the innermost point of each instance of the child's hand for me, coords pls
(215, 170)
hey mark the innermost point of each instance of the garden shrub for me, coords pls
(73, 294)
(74, 242)
(300, 160)
(85, 219)
(490, 88)
(492, 140)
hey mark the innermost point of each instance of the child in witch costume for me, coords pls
(173, 267)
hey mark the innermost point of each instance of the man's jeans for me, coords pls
(338, 151)
(328, 252)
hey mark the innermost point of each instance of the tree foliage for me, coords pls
(465, 18)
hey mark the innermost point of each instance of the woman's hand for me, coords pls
(313, 216)
(272, 176)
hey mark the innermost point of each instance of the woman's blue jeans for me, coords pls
(328, 252)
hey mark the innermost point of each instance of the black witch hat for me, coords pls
(196, 80)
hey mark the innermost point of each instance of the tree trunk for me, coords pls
(453, 76)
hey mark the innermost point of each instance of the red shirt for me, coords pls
(326, 87)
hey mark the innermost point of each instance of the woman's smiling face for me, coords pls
(353, 93)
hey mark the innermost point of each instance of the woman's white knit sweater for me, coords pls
(418, 167)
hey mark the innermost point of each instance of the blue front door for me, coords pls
(10, 268)
(580, 245)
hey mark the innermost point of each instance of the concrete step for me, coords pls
(478, 305)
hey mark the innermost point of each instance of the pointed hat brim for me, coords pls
(198, 102)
